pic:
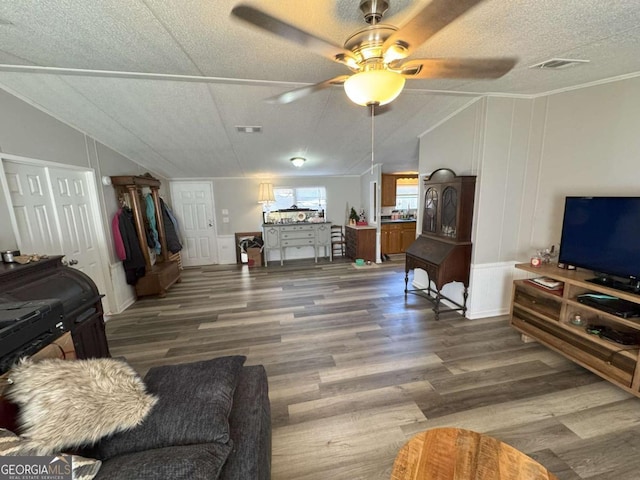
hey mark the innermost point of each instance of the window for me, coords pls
(406, 197)
(314, 198)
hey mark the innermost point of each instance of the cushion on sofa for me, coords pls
(185, 462)
(194, 401)
(13, 446)
(68, 403)
(250, 426)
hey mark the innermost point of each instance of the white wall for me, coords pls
(591, 146)
(28, 132)
(372, 175)
(240, 197)
(528, 155)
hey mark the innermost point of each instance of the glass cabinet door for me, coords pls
(449, 211)
(430, 211)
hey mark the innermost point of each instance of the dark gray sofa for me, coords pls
(212, 421)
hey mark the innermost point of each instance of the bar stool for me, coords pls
(337, 240)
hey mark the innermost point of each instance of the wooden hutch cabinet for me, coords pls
(159, 276)
(443, 249)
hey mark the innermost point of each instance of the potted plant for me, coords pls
(353, 216)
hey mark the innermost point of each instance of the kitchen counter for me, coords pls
(362, 227)
(400, 220)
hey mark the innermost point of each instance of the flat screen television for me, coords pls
(603, 234)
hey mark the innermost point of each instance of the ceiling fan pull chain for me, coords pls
(373, 106)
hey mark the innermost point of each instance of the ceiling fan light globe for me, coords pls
(377, 87)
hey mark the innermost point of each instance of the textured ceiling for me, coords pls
(187, 129)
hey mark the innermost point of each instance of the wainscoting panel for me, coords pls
(124, 294)
(490, 288)
(226, 249)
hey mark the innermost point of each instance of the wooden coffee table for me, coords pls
(457, 454)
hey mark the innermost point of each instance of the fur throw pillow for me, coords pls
(68, 403)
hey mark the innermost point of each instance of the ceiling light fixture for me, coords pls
(249, 128)
(377, 86)
(298, 161)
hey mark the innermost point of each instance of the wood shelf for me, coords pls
(545, 316)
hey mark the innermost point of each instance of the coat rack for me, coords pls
(159, 276)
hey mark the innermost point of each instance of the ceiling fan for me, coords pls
(377, 54)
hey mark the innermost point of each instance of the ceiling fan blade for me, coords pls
(436, 15)
(293, 34)
(454, 67)
(298, 93)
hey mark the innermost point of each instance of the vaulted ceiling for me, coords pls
(186, 129)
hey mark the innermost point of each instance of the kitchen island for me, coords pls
(361, 242)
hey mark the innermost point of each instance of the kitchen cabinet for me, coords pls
(558, 319)
(390, 238)
(361, 242)
(396, 237)
(408, 235)
(388, 190)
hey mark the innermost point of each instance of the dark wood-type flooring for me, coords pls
(355, 370)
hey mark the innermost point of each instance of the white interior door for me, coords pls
(54, 215)
(33, 209)
(193, 207)
(77, 226)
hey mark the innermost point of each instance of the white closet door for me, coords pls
(33, 208)
(77, 225)
(54, 215)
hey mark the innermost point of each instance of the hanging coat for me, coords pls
(153, 230)
(117, 236)
(170, 228)
(135, 264)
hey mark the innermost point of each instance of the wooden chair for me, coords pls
(338, 244)
(457, 454)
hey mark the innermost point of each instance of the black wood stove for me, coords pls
(40, 301)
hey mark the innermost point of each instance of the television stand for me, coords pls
(632, 286)
(563, 321)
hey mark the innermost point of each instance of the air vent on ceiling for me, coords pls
(557, 63)
(249, 129)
